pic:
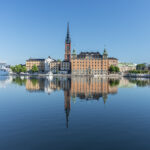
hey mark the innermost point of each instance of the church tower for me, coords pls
(68, 46)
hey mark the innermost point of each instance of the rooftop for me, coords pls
(112, 58)
(36, 59)
(89, 54)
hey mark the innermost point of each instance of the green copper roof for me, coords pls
(105, 52)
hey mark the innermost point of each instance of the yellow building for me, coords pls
(40, 63)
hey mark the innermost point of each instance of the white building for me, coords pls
(47, 64)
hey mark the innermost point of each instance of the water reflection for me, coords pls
(78, 87)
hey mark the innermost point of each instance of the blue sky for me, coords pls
(37, 28)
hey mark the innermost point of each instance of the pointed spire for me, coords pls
(68, 28)
(68, 40)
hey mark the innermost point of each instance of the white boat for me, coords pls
(4, 71)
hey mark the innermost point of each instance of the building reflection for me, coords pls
(91, 88)
(35, 85)
(83, 88)
(78, 87)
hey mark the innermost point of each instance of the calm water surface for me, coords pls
(74, 114)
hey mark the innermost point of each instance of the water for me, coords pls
(77, 113)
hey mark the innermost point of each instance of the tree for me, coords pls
(24, 69)
(117, 69)
(111, 68)
(141, 67)
(34, 69)
(114, 69)
(18, 69)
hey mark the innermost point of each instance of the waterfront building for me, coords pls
(125, 67)
(112, 61)
(55, 66)
(40, 63)
(91, 63)
(48, 64)
(65, 67)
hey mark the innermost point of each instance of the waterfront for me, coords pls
(74, 113)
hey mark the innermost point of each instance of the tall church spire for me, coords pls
(68, 46)
(68, 40)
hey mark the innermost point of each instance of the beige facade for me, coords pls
(91, 63)
(112, 61)
(40, 63)
(55, 66)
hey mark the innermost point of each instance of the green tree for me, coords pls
(34, 69)
(59, 60)
(117, 69)
(141, 67)
(18, 69)
(24, 69)
(111, 69)
(114, 69)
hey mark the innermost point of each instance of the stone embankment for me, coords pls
(98, 76)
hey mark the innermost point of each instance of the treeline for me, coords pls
(139, 71)
(18, 69)
(21, 68)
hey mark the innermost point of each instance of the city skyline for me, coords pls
(38, 29)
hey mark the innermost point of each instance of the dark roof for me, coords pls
(65, 61)
(112, 58)
(89, 54)
(35, 59)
